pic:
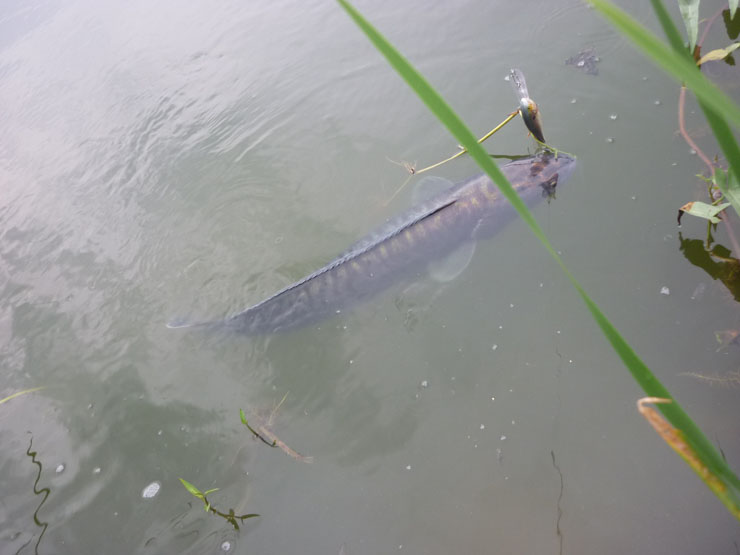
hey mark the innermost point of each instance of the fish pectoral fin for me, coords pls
(448, 268)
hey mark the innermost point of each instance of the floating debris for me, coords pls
(60, 468)
(586, 61)
(151, 490)
(665, 291)
(226, 546)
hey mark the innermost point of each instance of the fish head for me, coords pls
(541, 174)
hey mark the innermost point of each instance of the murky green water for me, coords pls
(164, 159)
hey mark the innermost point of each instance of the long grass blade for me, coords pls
(647, 380)
(679, 66)
(19, 393)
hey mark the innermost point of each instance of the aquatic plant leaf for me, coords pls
(680, 66)
(192, 489)
(730, 187)
(640, 372)
(19, 393)
(690, 13)
(719, 53)
(704, 210)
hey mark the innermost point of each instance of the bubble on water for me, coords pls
(482, 426)
(96, 470)
(613, 116)
(573, 100)
(634, 197)
(692, 151)
(424, 383)
(60, 468)
(408, 467)
(610, 140)
(503, 438)
(511, 305)
(494, 347)
(581, 63)
(159, 432)
(658, 102)
(226, 546)
(665, 291)
(151, 490)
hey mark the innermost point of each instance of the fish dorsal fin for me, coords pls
(429, 187)
(427, 199)
(448, 268)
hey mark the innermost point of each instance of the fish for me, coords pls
(449, 222)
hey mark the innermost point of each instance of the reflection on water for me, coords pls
(714, 260)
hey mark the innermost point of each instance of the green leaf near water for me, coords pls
(704, 210)
(719, 53)
(730, 187)
(690, 14)
(192, 489)
(733, 7)
(697, 441)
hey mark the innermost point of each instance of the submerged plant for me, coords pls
(230, 517)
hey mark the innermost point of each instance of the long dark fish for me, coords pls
(470, 210)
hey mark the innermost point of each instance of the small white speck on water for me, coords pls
(151, 490)
(501, 327)
(226, 546)
(634, 197)
(338, 311)
(692, 151)
(513, 422)
(475, 446)
(512, 390)
(452, 379)
(557, 331)
(351, 361)
(610, 140)
(644, 78)
(494, 347)
(542, 284)
(658, 102)
(60, 468)
(96, 470)
(581, 63)
(511, 305)
(665, 291)
(482, 426)
(408, 467)
(613, 116)
(503, 438)
(459, 349)
(424, 383)
(573, 100)
(570, 361)
(159, 432)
